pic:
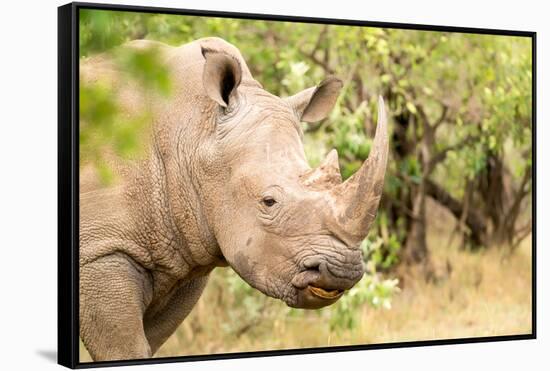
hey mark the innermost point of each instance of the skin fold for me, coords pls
(226, 182)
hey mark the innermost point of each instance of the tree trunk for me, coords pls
(474, 219)
(502, 201)
(495, 196)
(416, 249)
(411, 215)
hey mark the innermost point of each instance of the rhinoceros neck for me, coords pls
(171, 222)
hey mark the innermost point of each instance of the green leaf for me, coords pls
(411, 107)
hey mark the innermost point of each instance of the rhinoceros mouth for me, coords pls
(323, 293)
(314, 297)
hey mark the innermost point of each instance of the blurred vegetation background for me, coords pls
(450, 253)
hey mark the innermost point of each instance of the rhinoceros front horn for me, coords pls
(357, 199)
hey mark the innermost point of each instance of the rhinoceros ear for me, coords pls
(221, 75)
(314, 104)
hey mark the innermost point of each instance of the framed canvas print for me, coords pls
(238, 185)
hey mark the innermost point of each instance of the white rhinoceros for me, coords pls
(226, 183)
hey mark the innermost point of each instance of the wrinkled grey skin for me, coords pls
(226, 183)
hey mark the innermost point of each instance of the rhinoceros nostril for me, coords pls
(312, 263)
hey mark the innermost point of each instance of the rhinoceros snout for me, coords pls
(326, 278)
(337, 276)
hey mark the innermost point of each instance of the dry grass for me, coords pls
(487, 293)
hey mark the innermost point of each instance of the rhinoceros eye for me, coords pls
(269, 201)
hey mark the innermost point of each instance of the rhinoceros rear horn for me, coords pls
(326, 175)
(221, 75)
(314, 104)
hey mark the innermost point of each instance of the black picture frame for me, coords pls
(68, 182)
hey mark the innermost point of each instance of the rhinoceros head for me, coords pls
(291, 231)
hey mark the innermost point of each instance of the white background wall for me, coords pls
(28, 155)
